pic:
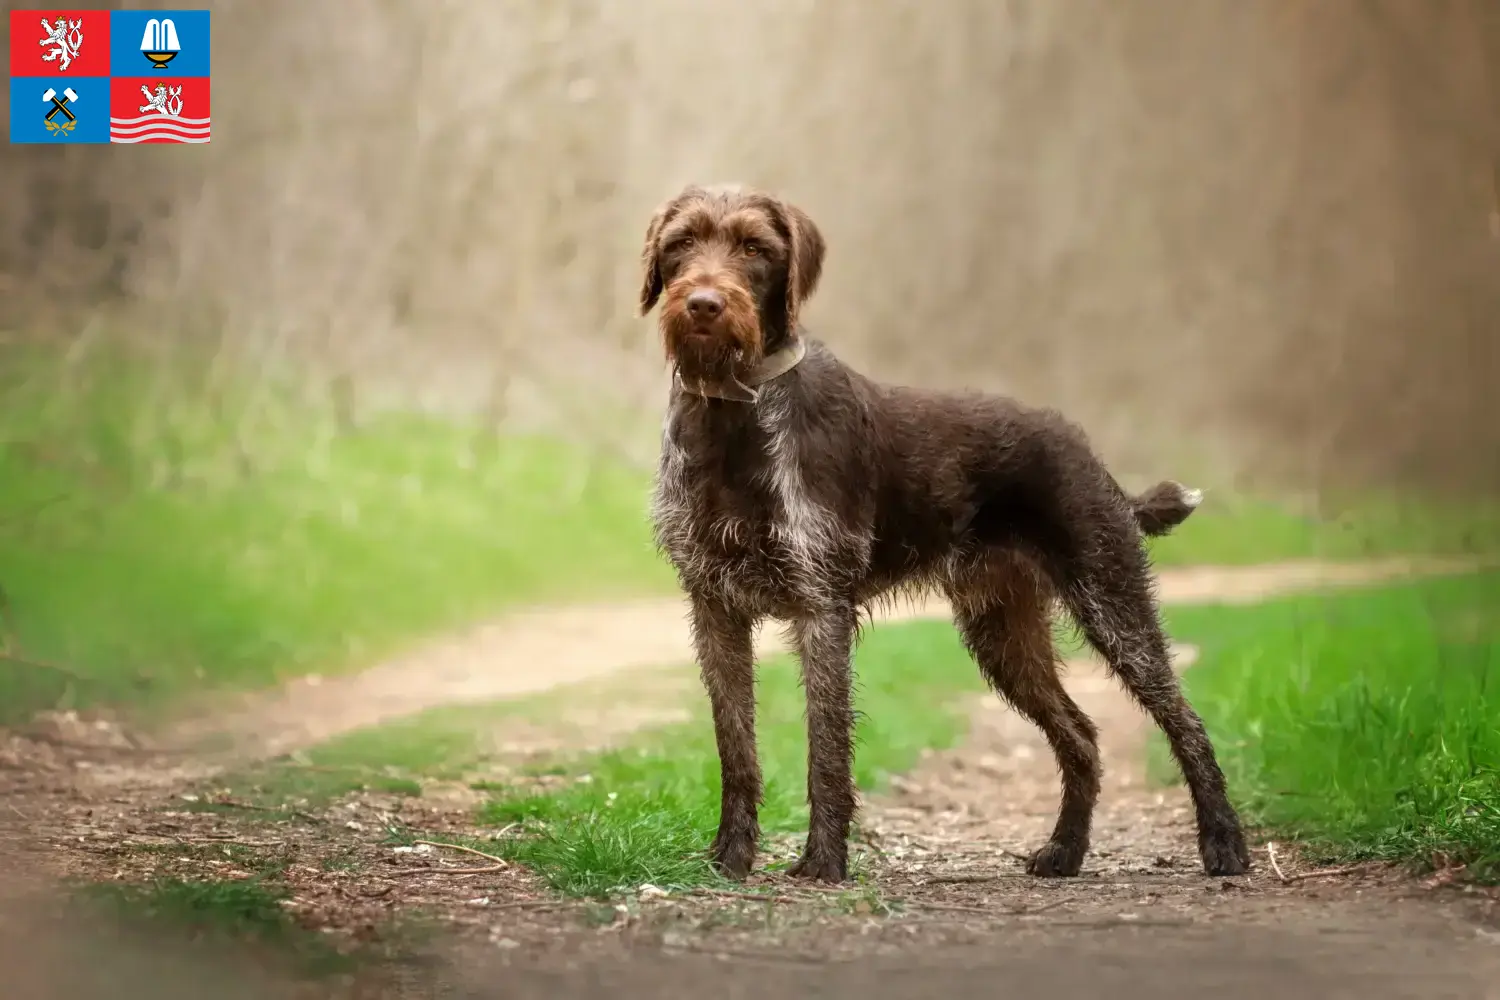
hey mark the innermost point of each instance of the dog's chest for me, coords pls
(731, 512)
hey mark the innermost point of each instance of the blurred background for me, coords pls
(369, 356)
(1260, 233)
(364, 370)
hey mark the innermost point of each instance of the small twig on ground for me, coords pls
(499, 862)
(1276, 865)
(232, 804)
(228, 842)
(1325, 873)
(959, 879)
(298, 813)
(1286, 879)
(18, 812)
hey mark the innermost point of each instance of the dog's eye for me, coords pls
(679, 245)
(752, 250)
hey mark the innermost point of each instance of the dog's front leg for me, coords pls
(824, 642)
(722, 636)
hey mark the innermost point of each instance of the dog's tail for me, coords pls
(1164, 506)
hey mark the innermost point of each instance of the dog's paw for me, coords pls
(1224, 853)
(1055, 859)
(734, 855)
(820, 868)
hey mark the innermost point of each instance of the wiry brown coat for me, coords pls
(830, 491)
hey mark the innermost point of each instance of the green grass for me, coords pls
(157, 538)
(644, 814)
(165, 529)
(1366, 723)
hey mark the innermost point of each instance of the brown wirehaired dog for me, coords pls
(793, 487)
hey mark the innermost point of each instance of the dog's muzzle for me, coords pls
(773, 365)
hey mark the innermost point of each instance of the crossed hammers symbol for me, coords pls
(69, 97)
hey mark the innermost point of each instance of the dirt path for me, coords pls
(956, 915)
(944, 904)
(951, 912)
(539, 650)
(944, 909)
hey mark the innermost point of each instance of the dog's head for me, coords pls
(731, 268)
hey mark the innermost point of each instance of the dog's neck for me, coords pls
(746, 389)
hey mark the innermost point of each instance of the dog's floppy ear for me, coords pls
(651, 260)
(805, 250)
(651, 283)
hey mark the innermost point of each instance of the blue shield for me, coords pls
(159, 43)
(30, 108)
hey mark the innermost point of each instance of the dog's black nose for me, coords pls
(705, 304)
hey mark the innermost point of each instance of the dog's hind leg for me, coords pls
(1109, 592)
(1008, 631)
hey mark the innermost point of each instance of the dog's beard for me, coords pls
(729, 350)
